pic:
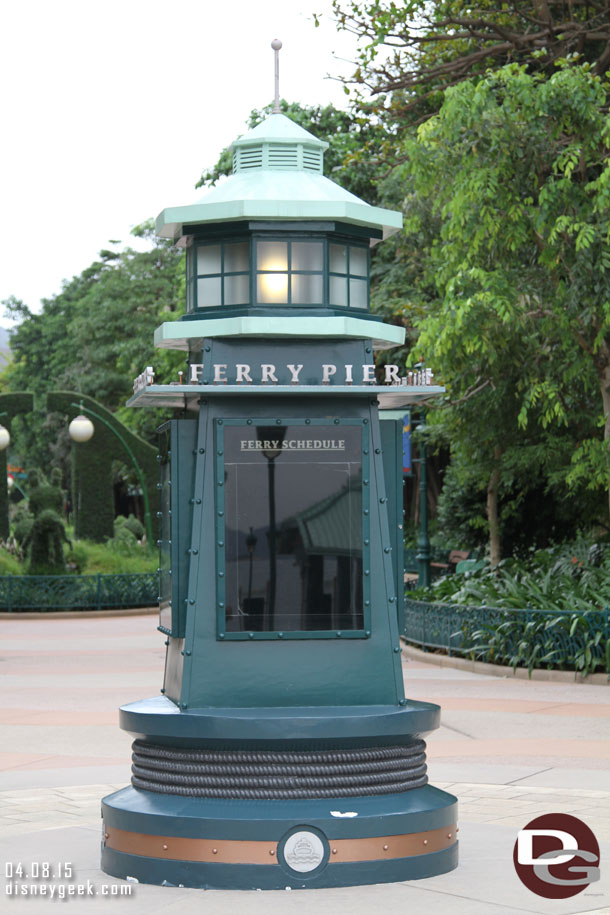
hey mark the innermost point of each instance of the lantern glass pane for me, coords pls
(209, 292)
(237, 257)
(307, 255)
(358, 293)
(338, 259)
(272, 255)
(338, 290)
(272, 288)
(237, 290)
(358, 261)
(208, 259)
(307, 289)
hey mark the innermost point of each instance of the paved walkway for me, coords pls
(509, 749)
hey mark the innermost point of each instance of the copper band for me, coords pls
(233, 851)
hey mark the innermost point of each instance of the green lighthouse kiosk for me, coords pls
(282, 751)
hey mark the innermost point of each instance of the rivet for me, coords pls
(382, 500)
(367, 572)
(272, 852)
(365, 450)
(365, 482)
(338, 635)
(249, 422)
(219, 452)
(366, 542)
(449, 836)
(197, 501)
(374, 403)
(207, 348)
(184, 705)
(457, 829)
(221, 574)
(403, 702)
(385, 847)
(195, 552)
(221, 482)
(367, 603)
(214, 851)
(334, 851)
(182, 653)
(396, 650)
(106, 835)
(202, 451)
(368, 633)
(368, 350)
(162, 691)
(280, 635)
(377, 450)
(221, 635)
(387, 549)
(164, 847)
(219, 421)
(307, 422)
(278, 422)
(221, 543)
(425, 841)
(365, 512)
(365, 422)
(220, 514)
(392, 600)
(191, 601)
(188, 654)
(251, 635)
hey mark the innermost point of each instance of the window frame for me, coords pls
(220, 520)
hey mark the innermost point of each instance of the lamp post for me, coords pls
(272, 451)
(81, 430)
(423, 542)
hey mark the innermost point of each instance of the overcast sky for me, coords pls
(110, 112)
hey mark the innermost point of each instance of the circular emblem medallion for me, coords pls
(303, 851)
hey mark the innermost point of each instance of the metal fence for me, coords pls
(78, 592)
(517, 638)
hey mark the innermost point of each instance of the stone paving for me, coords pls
(509, 749)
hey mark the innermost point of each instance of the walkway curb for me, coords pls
(498, 670)
(76, 614)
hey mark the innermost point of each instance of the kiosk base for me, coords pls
(212, 843)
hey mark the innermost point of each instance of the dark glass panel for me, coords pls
(293, 508)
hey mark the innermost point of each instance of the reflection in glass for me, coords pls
(293, 508)
(208, 259)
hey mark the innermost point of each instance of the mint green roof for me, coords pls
(280, 129)
(277, 175)
(185, 335)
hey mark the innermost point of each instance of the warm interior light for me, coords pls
(273, 287)
(5, 438)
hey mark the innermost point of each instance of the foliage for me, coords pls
(572, 577)
(131, 524)
(46, 535)
(79, 342)
(410, 52)
(345, 133)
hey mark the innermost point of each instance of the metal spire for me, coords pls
(276, 44)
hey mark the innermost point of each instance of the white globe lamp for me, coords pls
(81, 429)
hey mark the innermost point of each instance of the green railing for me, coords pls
(516, 638)
(78, 592)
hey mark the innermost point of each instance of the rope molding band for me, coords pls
(278, 774)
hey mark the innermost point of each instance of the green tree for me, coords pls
(516, 170)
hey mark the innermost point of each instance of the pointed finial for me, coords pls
(276, 44)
